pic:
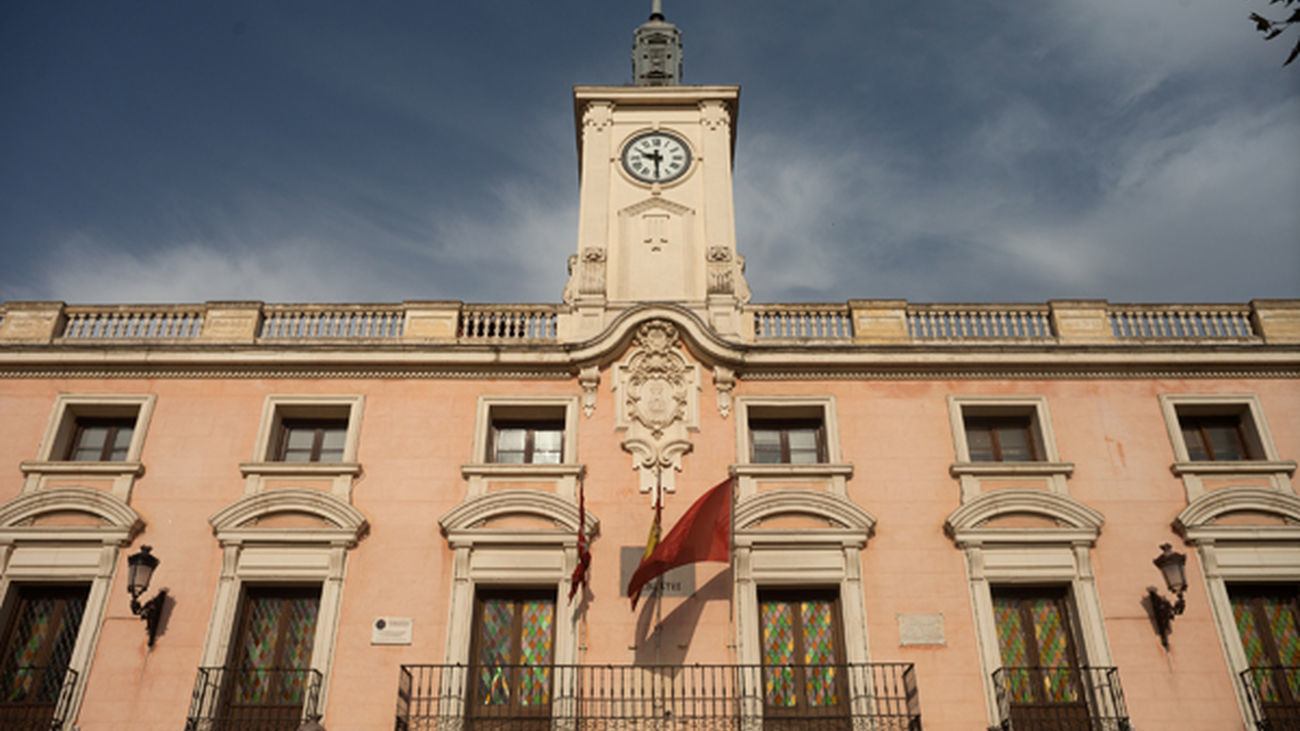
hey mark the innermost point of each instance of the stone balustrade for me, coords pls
(979, 322)
(859, 322)
(1182, 322)
(814, 321)
(144, 322)
(500, 323)
(332, 322)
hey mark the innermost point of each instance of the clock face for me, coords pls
(656, 157)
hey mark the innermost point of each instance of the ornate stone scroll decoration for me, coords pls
(724, 379)
(593, 271)
(598, 116)
(714, 115)
(657, 392)
(741, 287)
(589, 379)
(721, 279)
(571, 286)
(586, 274)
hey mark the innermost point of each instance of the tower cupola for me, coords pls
(657, 51)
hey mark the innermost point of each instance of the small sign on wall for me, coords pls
(391, 631)
(675, 582)
(920, 629)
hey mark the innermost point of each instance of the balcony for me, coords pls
(1060, 699)
(35, 698)
(880, 696)
(1273, 695)
(251, 699)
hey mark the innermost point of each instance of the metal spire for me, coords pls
(657, 51)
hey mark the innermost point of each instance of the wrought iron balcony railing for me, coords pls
(1060, 698)
(1273, 694)
(253, 699)
(35, 698)
(880, 696)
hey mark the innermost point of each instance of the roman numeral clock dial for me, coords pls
(656, 157)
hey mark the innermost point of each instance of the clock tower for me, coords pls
(656, 218)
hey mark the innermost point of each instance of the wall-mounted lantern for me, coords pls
(1171, 566)
(140, 568)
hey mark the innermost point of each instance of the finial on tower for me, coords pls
(657, 51)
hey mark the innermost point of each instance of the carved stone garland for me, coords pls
(657, 392)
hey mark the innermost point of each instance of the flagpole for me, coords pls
(582, 529)
(731, 595)
(658, 594)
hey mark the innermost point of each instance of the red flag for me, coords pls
(584, 550)
(702, 534)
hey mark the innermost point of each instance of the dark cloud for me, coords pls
(326, 151)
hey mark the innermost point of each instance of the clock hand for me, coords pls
(657, 157)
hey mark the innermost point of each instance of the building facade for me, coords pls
(368, 516)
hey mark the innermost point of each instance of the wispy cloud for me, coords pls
(516, 252)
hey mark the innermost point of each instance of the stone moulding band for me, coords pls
(565, 373)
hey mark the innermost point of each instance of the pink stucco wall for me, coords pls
(416, 433)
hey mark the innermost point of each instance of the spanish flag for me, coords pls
(702, 534)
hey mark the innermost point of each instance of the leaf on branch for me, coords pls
(1294, 52)
(1262, 24)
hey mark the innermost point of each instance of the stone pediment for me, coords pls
(290, 514)
(539, 508)
(768, 510)
(650, 204)
(69, 513)
(1241, 513)
(1024, 516)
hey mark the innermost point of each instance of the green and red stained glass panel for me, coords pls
(38, 643)
(801, 648)
(513, 650)
(1268, 621)
(1037, 647)
(274, 645)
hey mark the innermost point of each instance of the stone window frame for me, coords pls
(253, 554)
(1050, 555)
(1247, 554)
(832, 474)
(969, 473)
(59, 430)
(278, 407)
(829, 557)
(510, 558)
(1275, 470)
(89, 555)
(560, 478)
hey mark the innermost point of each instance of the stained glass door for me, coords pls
(269, 676)
(511, 660)
(803, 661)
(38, 643)
(1268, 621)
(1040, 669)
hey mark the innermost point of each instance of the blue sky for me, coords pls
(985, 150)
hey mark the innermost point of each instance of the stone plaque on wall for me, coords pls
(676, 582)
(920, 629)
(391, 631)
